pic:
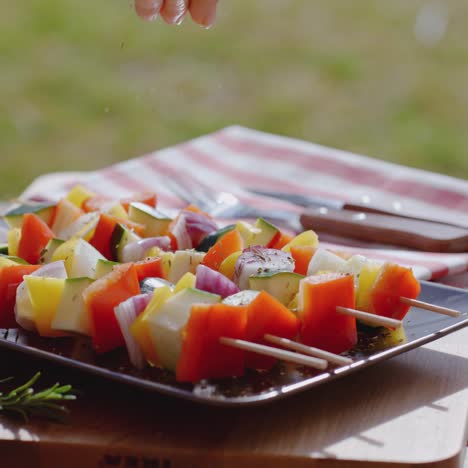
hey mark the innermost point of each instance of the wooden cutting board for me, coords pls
(409, 411)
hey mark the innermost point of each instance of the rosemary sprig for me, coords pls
(25, 401)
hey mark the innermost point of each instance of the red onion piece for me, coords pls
(179, 230)
(198, 226)
(214, 282)
(126, 313)
(135, 251)
(141, 301)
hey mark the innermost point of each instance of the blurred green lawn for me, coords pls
(84, 84)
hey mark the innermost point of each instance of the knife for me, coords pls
(374, 225)
(308, 201)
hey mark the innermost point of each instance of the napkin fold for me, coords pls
(237, 157)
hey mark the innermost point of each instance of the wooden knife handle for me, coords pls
(387, 229)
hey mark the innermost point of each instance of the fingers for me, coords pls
(148, 9)
(203, 11)
(173, 11)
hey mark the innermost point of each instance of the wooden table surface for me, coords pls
(408, 411)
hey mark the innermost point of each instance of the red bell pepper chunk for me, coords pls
(173, 241)
(101, 239)
(34, 237)
(203, 356)
(322, 326)
(265, 314)
(149, 268)
(10, 278)
(394, 281)
(280, 240)
(101, 297)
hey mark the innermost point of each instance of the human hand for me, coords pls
(203, 12)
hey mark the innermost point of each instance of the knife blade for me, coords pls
(375, 225)
(310, 201)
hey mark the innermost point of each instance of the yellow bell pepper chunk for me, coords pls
(118, 211)
(45, 295)
(140, 328)
(14, 236)
(187, 281)
(87, 232)
(247, 232)
(4, 262)
(79, 194)
(367, 277)
(293, 306)
(66, 252)
(166, 263)
(228, 265)
(306, 238)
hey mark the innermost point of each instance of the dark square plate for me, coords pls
(254, 388)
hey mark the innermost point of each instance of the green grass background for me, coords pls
(85, 83)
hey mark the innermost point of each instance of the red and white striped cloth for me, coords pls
(237, 157)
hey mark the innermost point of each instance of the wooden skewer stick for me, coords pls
(302, 348)
(430, 307)
(371, 319)
(281, 354)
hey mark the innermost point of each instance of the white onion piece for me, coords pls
(257, 260)
(354, 264)
(179, 229)
(324, 260)
(84, 260)
(198, 226)
(148, 285)
(24, 312)
(214, 282)
(135, 251)
(126, 313)
(90, 219)
(3, 234)
(241, 298)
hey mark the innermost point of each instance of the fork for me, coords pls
(226, 205)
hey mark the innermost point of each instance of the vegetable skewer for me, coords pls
(281, 354)
(320, 353)
(370, 319)
(226, 295)
(430, 307)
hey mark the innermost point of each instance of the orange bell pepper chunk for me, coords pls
(148, 198)
(227, 245)
(95, 203)
(265, 314)
(203, 356)
(393, 282)
(100, 299)
(302, 255)
(322, 326)
(149, 268)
